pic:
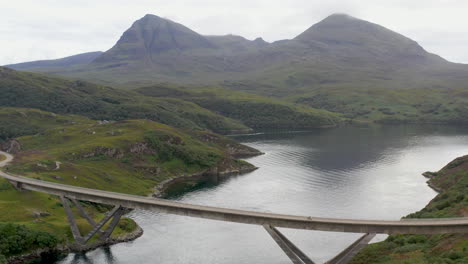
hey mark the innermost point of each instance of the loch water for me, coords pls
(369, 172)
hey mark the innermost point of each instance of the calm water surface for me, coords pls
(345, 172)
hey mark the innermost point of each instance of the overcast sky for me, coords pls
(49, 29)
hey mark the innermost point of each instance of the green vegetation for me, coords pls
(16, 122)
(131, 156)
(2, 157)
(124, 156)
(15, 239)
(20, 89)
(41, 215)
(452, 201)
(253, 110)
(214, 109)
(391, 106)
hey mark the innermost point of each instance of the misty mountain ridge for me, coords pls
(337, 33)
(338, 49)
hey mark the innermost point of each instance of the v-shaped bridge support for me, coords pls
(298, 257)
(115, 214)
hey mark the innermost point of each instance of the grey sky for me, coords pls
(49, 29)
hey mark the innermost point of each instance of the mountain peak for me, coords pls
(340, 16)
(152, 19)
(148, 16)
(152, 35)
(348, 34)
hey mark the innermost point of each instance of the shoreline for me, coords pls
(72, 247)
(161, 188)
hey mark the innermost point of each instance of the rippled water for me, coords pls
(345, 172)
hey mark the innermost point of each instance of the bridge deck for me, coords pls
(434, 226)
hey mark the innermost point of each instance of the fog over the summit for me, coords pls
(49, 29)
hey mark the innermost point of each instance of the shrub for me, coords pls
(127, 225)
(16, 239)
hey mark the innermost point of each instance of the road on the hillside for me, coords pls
(8, 159)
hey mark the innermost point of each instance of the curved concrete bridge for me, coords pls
(120, 200)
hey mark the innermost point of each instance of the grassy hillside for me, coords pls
(452, 201)
(255, 111)
(430, 105)
(16, 122)
(130, 156)
(124, 156)
(214, 109)
(21, 89)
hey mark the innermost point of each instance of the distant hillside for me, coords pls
(17, 122)
(21, 89)
(254, 111)
(58, 64)
(30, 90)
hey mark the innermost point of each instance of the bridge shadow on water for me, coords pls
(79, 257)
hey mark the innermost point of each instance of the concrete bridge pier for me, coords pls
(294, 253)
(18, 185)
(348, 253)
(115, 214)
(298, 257)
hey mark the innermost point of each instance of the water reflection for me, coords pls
(80, 258)
(101, 255)
(366, 172)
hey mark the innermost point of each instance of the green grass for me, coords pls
(255, 111)
(26, 207)
(2, 157)
(16, 122)
(21, 89)
(130, 156)
(100, 155)
(391, 106)
(451, 202)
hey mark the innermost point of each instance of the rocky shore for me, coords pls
(208, 176)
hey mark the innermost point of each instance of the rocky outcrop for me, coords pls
(11, 146)
(234, 149)
(109, 152)
(226, 168)
(141, 148)
(239, 151)
(429, 174)
(148, 169)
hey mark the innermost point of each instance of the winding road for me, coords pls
(8, 159)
